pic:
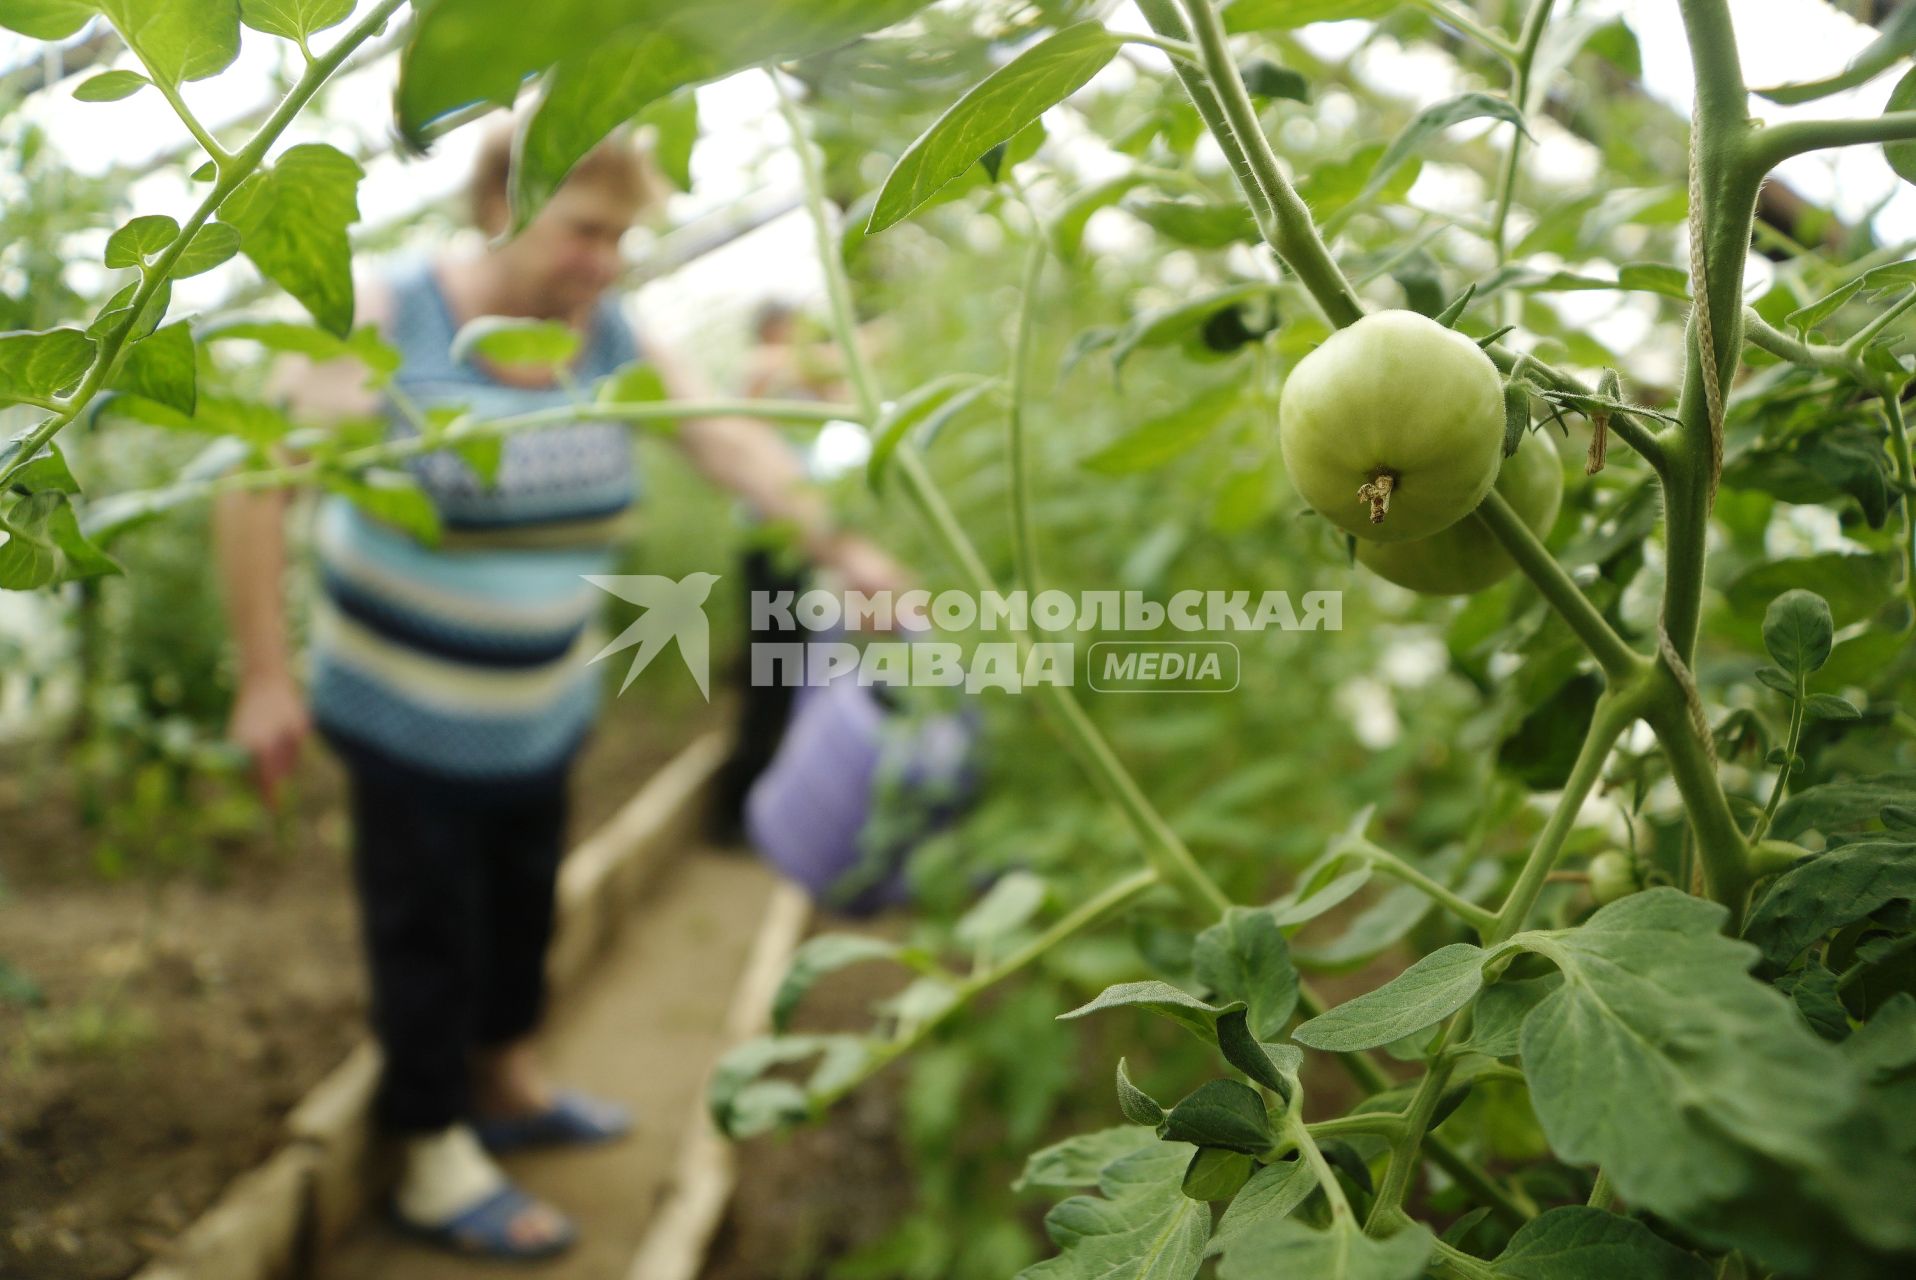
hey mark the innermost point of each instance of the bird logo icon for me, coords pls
(674, 610)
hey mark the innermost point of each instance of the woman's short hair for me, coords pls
(619, 164)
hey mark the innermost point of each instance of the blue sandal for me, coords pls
(573, 1119)
(485, 1229)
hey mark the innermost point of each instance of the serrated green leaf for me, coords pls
(1200, 224)
(41, 365)
(1290, 1247)
(178, 40)
(163, 367)
(211, 246)
(1244, 957)
(1827, 706)
(1271, 1195)
(292, 221)
(1578, 1243)
(1836, 806)
(1902, 155)
(1432, 989)
(1265, 79)
(1838, 888)
(1078, 1160)
(1137, 1106)
(1220, 1113)
(294, 19)
(1658, 1022)
(1215, 1174)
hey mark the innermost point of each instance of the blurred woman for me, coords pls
(452, 679)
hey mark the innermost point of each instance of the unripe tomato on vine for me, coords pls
(1393, 428)
(1612, 876)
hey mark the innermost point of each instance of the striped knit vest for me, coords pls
(464, 662)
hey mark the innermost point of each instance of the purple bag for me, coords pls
(854, 785)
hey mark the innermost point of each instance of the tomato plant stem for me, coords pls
(1778, 142)
(1614, 713)
(1619, 661)
(1091, 911)
(1327, 1180)
(1906, 475)
(1372, 1080)
(1526, 57)
(1458, 20)
(1162, 847)
(1719, 841)
(1723, 188)
(1023, 544)
(1296, 238)
(1391, 865)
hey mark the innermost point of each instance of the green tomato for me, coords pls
(1612, 876)
(1467, 556)
(1393, 428)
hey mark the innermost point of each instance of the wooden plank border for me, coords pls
(272, 1220)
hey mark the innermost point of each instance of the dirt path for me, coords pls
(644, 1029)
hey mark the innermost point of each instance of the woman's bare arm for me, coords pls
(269, 718)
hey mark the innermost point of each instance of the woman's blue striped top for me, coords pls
(465, 661)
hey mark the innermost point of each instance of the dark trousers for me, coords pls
(456, 897)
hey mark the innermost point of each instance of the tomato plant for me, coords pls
(1542, 1075)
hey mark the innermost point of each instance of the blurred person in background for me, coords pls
(452, 678)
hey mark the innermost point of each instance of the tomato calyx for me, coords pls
(1377, 491)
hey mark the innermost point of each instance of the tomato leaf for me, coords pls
(1166, 437)
(46, 19)
(1729, 1102)
(292, 221)
(294, 19)
(1798, 632)
(39, 366)
(1834, 889)
(1432, 989)
(1574, 1242)
(1435, 119)
(163, 367)
(1078, 1160)
(1897, 40)
(1245, 957)
(1004, 102)
(1289, 1247)
(178, 40)
(110, 86)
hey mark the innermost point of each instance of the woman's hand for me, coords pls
(862, 565)
(270, 722)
